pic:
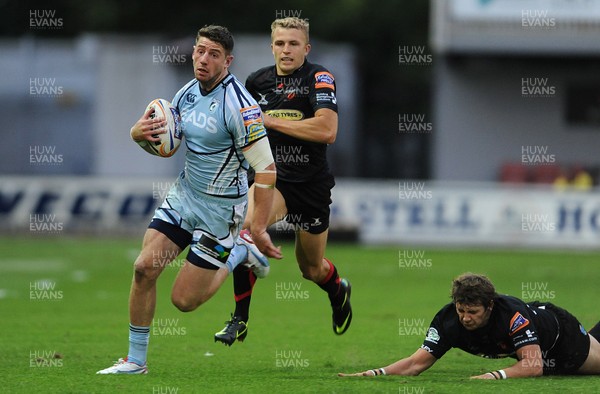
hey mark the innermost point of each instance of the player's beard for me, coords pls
(209, 84)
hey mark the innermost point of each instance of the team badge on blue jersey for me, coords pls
(213, 106)
(190, 98)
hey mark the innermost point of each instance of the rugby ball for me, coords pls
(171, 140)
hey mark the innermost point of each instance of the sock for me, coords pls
(595, 331)
(138, 344)
(243, 284)
(238, 254)
(331, 284)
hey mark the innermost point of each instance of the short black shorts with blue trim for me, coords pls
(182, 239)
(179, 236)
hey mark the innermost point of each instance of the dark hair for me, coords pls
(473, 289)
(218, 34)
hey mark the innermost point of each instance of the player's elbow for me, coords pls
(331, 131)
(412, 372)
(540, 372)
(330, 136)
(532, 367)
(271, 167)
(416, 369)
(536, 371)
(328, 124)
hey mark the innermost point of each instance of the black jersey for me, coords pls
(512, 325)
(295, 97)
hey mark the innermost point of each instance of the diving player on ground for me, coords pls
(544, 338)
(300, 106)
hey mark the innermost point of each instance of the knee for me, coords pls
(145, 269)
(185, 304)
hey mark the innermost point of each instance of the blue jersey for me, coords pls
(216, 126)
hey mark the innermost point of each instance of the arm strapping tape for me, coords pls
(259, 155)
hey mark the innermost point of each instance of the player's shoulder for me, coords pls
(447, 314)
(510, 310)
(446, 322)
(321, 77)
(236, 93)
(261, 74)
(313, 68)
(508, 302)
(184, 91)
(231, 82)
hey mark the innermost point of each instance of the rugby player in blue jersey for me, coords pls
(300, 105)
(205, 209)
(544, 338)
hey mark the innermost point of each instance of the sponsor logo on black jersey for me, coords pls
(289, 114)
(263, 100)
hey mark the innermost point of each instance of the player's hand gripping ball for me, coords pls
(171, 140)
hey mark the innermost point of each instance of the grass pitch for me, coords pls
(63, 316)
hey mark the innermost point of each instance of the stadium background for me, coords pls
(467, 141)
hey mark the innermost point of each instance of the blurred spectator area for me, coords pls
(516, 82)
(559, 175)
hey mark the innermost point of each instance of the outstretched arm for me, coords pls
(530, 364)
(413, 365)
(260, 158)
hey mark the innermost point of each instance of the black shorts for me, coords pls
(308, 203)
(572, 347)
(182, 239)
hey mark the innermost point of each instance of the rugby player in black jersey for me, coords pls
(543, 338)
(300, 113)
